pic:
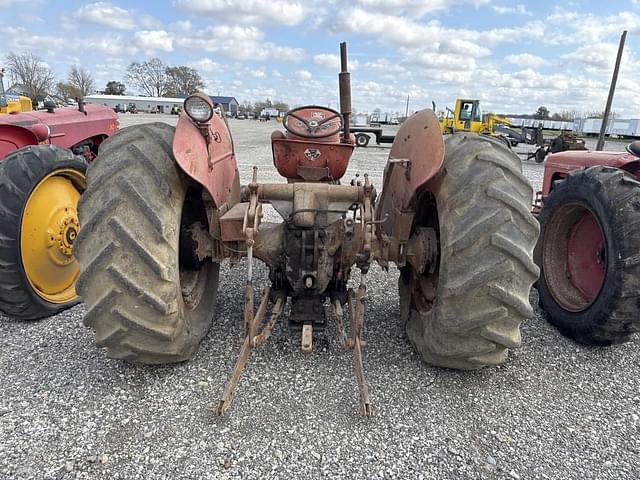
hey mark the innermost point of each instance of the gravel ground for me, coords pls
(556, 410)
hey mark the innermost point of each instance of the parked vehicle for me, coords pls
(43, 159)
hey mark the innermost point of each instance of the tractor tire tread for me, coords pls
(612, 317)
(486, 268)
(132, 206)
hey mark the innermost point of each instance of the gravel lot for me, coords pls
(556, 410)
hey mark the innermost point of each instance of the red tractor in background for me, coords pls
(589, 214)
(588, 250)
(43, 160)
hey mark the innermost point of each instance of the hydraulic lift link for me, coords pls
(224, 403)
(354, 341)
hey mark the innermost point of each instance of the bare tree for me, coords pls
(183, 80)
(82, 80)
(65, 91)
(149, 76)
(34, 76)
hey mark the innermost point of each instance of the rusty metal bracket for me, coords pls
(355, 307)
(251, 324)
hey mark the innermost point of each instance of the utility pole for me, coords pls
(612, 89)
(406, 110)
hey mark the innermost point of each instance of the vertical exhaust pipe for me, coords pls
(344, 82)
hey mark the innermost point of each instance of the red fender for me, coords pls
(13, 137)
(416, 156)
(212, 162)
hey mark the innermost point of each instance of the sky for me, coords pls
(513, 55)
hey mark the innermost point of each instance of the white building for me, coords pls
(142, 104)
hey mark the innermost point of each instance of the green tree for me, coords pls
(542, 112)
(65, 91)
(281, 106)
(183, 81)
(114, 88)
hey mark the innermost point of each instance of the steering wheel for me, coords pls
(313, 122)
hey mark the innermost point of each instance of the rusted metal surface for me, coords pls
(574, 257)
(355, 307)
(223, 405)
(209, 159)
(231, 223)
(328, 229)
(344, 83)
(295, 159)
(416, 156)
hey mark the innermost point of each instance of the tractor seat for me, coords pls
(634, 148)
(310, 160)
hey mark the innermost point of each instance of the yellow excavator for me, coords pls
(12, 103)
(467, 117)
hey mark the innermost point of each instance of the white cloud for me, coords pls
(415, 8)
(115, 46)
(205, 65)
(303, 74)
(526, 60)
(238, 42)
(104, 13)
(252, 12)
(515, 10)
(600, 56)
(327, 60)
(151, 40)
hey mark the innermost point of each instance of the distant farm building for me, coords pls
(156, 104)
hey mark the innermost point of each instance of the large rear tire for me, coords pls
(589, 283)
(467, 313)
(146, 300)
(39, 190)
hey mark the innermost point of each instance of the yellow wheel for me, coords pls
(39, 191)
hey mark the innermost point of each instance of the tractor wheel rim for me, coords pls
(574, 257)
(48, 229)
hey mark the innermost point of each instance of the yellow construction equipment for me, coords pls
(12, 103)
(467, 117)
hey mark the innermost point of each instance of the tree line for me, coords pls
(152, 77)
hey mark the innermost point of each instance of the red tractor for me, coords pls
(163, 208)
(43, 160)
(589, 214)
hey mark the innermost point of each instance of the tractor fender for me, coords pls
(13, 137)
(416, 156)
(207, 157)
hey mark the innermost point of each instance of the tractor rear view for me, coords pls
(43, 160)
(164, 207)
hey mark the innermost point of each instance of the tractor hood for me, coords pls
(65, 126)
(569, 160)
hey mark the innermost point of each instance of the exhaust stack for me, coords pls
(344, 82)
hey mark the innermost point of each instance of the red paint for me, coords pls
(586, 257)
(212, 164)
(558, 165)
(65, 127)
(297, 156)
(416, 156)
(292, 156)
